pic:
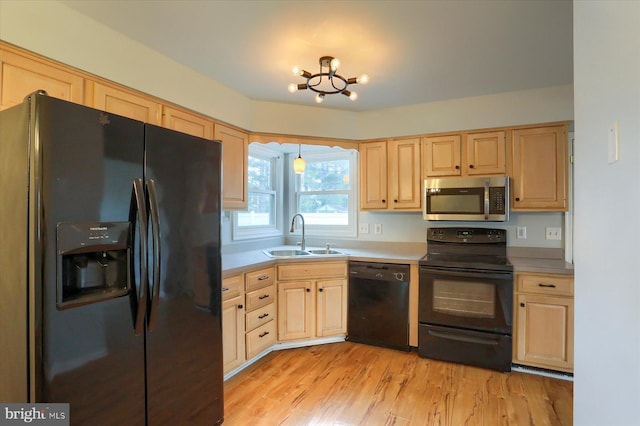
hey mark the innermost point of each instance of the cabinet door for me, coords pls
(233, 339)
(123, 102)
(486, 153)
(332, 307)
(21, 76)
(545, 331)
(539, 162)
(373, 175)
(404, 174)
(296, 310)
(235, 154)
(441, 156)
(186, 122)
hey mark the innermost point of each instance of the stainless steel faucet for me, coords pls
(293, 222)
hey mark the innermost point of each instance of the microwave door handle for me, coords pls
(486, 200)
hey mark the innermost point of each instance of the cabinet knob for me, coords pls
(240, 306)
(522, 305)
(395, 201)
(308, 290)
(517, 198)
(471, 166)
(457, 167)
(320, 290)
(384, 201)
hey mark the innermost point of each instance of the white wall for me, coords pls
(607, 220)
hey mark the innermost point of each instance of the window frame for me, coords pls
(271, 230)
(318, 231)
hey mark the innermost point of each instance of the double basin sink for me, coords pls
(302, 253)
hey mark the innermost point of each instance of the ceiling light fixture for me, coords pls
(299, 164)
(327, 81)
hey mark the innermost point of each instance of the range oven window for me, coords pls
(465, 299)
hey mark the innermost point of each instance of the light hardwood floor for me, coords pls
(354, 384)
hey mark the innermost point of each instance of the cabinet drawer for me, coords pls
(260, 316)
(231, 287)
(260, 278)
(304, 271)
(260, 339)
(260, 297)
(549, 284)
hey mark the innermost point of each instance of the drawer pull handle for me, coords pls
(264, 296)
(263, 316)
(264, 277)
(263, 334)
(546, 285)
(225, 288)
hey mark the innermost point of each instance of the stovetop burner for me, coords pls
(467, 248)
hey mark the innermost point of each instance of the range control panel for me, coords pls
(467, 235)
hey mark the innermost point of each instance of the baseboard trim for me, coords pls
(542, 372)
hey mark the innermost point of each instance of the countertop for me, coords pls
(523, 260)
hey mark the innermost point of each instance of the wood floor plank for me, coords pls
(354, 384)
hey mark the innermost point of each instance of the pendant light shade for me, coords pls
(299, 164)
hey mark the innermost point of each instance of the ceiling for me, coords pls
(413, 51)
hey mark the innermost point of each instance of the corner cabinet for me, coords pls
(390, 175)
(235, 154)
(312, 300)
(539, 160)
(544, 321)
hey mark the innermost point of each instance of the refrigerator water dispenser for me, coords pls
(93, 262)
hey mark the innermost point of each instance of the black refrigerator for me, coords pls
(111, 263)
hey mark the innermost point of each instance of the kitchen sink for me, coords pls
(302, 253)
(325, 251)
(286, 253)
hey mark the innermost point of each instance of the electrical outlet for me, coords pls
(377, 229)
(363, 228)
(521, 232)
(553, 233)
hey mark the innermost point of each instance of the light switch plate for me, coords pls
(521, 233)
(377, 229)
(613, 143)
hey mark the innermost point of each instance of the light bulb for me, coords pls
(293, 87)
(296, 70)
(335, 63)
(363, 79)
(319, 98)
(353, 96)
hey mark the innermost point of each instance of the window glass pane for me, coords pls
(261, 210)
(324, 209)
(326, 176)
(259, 173)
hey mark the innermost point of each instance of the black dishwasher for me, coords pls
(379, 304)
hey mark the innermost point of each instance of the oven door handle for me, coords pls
(470, 273)
(467, 339)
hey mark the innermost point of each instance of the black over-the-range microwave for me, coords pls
(466, 199)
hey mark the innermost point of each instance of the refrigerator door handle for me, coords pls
(139, 213)
(155, 232)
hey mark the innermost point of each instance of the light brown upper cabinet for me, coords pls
(486, 153)
(539, 175)
(466, 154)
(441, 156)
(390, 175)
(187, 122)
(373, 175)
(118, 100)
(235, 154)
(21, 75)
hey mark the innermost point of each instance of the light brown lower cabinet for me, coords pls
(544, 321)
(312, 300)
(233, 339)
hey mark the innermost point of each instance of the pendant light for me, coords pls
(299, 164)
